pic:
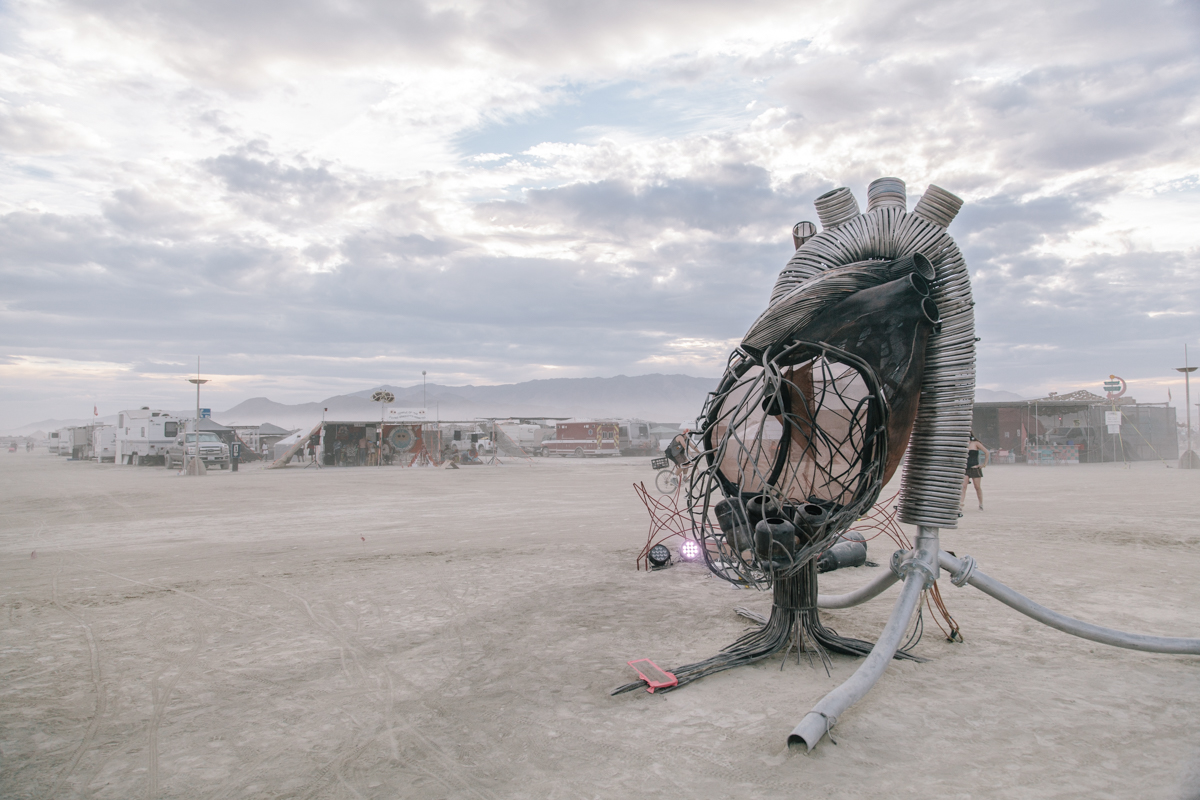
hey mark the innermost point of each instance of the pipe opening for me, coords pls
(796, 739)
(923, 266)
(930, 310)
(802, 232)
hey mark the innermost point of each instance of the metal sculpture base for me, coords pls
(795, 623)
(919, 570)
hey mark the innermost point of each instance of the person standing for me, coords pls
(976, 454)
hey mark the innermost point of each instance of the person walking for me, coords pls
(976, 455)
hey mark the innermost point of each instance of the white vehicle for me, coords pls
(104, 443)
(52, 441)
(636, 439)
(143, 435)
(213, 451)
(528, 437)
(63, 437)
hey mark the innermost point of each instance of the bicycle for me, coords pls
(674, 465)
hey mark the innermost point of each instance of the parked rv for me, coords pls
(104, 443)
(63, 435)
(52, 442)
(590, 438)
(213, 451)
(144, 434)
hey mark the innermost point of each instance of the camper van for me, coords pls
(636, 439)
(143, 435)
(104, 443)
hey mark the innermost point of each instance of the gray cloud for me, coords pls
(210, 226)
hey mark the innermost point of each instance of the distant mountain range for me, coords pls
(995, 395)
(670, 398)
(658, 398)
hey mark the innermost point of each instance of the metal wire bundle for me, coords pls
(794, 623)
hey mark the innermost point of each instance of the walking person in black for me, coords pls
(976, 454)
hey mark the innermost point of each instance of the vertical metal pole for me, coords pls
(197, 455)
(1187, 393)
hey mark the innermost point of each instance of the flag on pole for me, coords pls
(1169, 394)
(95, 411)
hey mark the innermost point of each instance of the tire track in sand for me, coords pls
(450, 767)
(98, 687)
(160, 697)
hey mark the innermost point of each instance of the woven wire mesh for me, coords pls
(799, 436)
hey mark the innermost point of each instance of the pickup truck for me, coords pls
(212, 450)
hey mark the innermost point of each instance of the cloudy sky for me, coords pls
(321, 196)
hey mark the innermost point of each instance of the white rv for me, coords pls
(64, 442)
(143, 435)
(104, 443)
(52, 441)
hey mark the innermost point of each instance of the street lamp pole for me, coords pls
(196, 380)
(1189, 458)
(422, 388)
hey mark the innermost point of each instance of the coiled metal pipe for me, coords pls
(937, 452)
(885, 192)
(836, 207)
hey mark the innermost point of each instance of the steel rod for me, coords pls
(1084, 630)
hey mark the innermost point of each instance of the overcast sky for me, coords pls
(317, 197)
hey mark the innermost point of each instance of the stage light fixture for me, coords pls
(659, 556)
(689, 550)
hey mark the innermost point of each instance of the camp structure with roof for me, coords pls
(1074, 429)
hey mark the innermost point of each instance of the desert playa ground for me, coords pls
(386, 633)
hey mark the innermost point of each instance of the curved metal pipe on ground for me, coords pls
(824, 715)
(1084, 630)
(861, 595)
(919, 570)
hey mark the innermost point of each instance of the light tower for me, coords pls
(190, 467)
(1189, 460)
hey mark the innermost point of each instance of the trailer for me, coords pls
(76, 442)
(144, 434)
(104, 443)
(586, 438)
